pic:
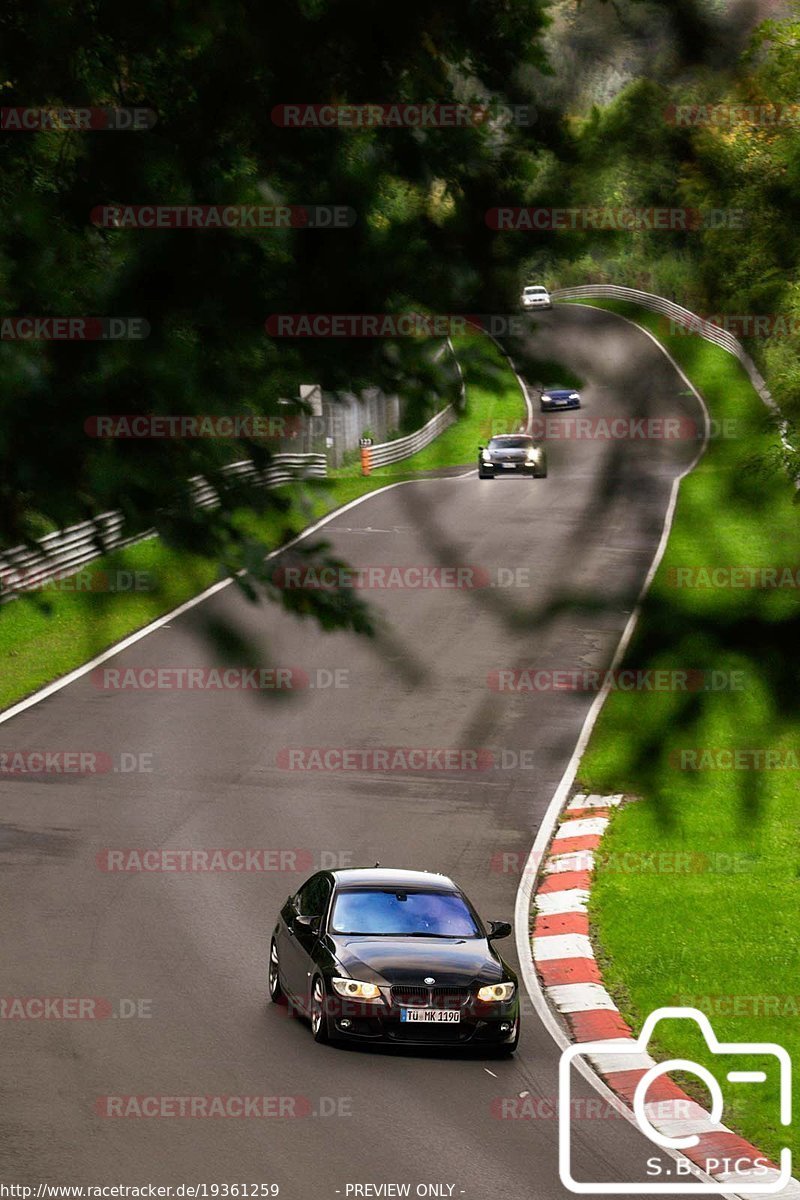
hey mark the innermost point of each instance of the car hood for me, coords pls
(559, 393)
(456, 963)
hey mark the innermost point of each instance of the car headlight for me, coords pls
(497, 991)
(356, 989)
(574, 396)
(533, 454)
(546, 398)
(486, 456)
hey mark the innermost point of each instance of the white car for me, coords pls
(536, 296)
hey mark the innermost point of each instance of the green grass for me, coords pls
(494, 405)
(47, 634)
(716, 920)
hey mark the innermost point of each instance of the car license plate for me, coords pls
(510, 466)
(431, 1016)
(562, 401)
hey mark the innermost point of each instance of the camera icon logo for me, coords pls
(676, 1130)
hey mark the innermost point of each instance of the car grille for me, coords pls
(416, 996)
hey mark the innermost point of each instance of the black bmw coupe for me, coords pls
(392, 956)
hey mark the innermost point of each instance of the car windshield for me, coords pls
(409, 913)
(558, 387)
(530, 291)
(510, 443)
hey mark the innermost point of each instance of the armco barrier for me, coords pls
(404, 447)
(705, 329)
(283, 468)
(64, 552)
(392, 452)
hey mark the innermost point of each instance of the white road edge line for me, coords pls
(551, 816)
(550, 819)
(161, 622)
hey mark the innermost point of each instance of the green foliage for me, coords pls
(213, 76)
(635, 152)
(737, 829)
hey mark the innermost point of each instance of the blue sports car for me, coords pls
(557, 396)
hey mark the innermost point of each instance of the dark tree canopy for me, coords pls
(213, 74)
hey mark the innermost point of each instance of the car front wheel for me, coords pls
(275, 990)
(319, 1021)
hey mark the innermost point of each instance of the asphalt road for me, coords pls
(574, 550)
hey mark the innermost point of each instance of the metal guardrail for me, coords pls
(700, 325)
(63, 553)
(386, 453)
(404, 447)
(283, 468)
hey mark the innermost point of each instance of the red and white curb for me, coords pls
(573, 986)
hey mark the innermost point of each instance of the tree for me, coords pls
(214, 74)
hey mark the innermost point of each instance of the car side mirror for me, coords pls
(499, 929)
(312, 924)
(481, 448)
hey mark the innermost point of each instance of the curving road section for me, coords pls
(559, 563)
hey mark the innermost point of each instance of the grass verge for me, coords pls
(697, 892)
(45, 635)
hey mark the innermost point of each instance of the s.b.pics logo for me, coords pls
(716, 1160)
